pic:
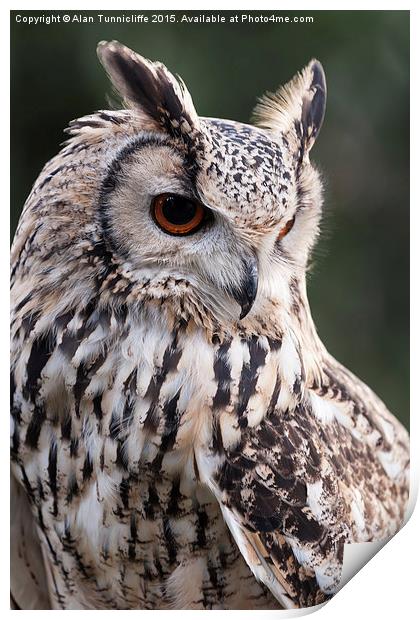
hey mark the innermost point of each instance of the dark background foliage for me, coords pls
(358, 285)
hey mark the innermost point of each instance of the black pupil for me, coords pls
(178, 210)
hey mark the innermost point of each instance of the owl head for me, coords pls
(215, 212)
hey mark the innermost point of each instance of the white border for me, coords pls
(387, 586)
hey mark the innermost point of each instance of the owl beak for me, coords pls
(246, 293)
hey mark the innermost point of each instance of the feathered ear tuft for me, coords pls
(297, 108)
(149, 87)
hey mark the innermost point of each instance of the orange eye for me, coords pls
(286, 228)
(177, 215)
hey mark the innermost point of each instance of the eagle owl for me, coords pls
(181, 438)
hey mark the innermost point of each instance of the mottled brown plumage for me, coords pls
(179, 432)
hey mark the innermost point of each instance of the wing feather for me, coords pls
(28, 582)
(306, 481)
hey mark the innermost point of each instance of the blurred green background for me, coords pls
(359, 281)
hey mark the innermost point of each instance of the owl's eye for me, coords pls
(286, 228)
(177, 215)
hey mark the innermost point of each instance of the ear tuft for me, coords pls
(149, 88)
(296, 108)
